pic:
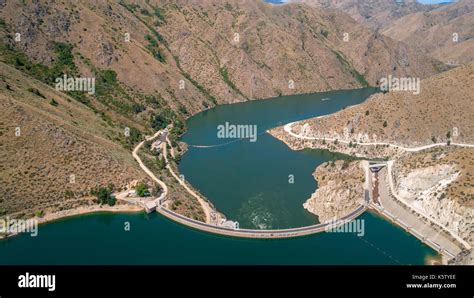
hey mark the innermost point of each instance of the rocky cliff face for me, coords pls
(439, 184)
(340, 190)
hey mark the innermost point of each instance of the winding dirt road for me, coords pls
(144, 168)
(204, 204)
(287, 128)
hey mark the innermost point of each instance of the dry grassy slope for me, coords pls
(54, 143)
(277, 44)
(97, 29)
(445, 102)
(375, 14)
(433, 31)
(280, 43)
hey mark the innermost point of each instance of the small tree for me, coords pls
(142, 190)
(385, 124)
(104, 195)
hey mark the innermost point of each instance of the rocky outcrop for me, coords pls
(442, 190)
(340, 190)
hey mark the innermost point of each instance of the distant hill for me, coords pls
(429, 28)
(375, 14)
(446, 33)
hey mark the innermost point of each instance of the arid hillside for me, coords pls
(429, 28)
(375, 14)
(442, 111)
(54, 150)
(249, 49)
(222, 51)
(446, 33)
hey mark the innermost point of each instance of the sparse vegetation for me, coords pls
(104, 195)
(225, 76)
(36, 92)
(195, 83)
(159, 13)
(53, 102)
(154, 48)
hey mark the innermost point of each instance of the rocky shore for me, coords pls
(340, 190)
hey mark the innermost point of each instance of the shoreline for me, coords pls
(78, 211)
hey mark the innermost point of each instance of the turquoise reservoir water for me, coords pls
(246, 181)
(250, 181)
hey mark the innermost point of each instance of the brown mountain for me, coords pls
(445, 33)
(195, 41)
(376, 14)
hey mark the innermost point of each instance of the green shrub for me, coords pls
(154, 48)
(36, 92)
(53, 102)
(142, 190)
(104, 195)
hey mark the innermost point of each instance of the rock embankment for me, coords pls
(439, 183)
(340, 190)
